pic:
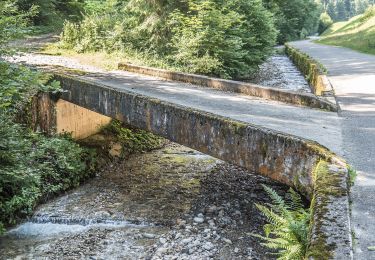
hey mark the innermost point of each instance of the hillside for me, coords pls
(358, 33)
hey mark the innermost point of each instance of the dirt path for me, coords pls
(352, 75)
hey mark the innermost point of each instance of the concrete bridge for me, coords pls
(258, 134)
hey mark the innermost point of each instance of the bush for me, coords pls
(35, 167)
(52, 12)
(214, 37)
(325, 22)
(288, 230)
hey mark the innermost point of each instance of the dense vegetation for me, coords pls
(358, 33)
(32, 166)
(342, 10)
(222, 38)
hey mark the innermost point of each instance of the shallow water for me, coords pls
(172, 203)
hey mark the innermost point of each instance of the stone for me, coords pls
(148, 235)
(198, 220)
(226, 240)
(208, 246)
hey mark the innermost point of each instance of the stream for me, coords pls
(171, 203)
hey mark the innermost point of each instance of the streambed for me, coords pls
(171, 203)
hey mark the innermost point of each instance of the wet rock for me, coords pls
(103, 214)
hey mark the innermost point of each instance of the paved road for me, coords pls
(352, 75)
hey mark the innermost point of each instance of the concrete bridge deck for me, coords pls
(257, 134)
(313, 124)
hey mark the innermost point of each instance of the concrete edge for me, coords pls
(291, 97)
(331, 233)
(296, 161)
(319, 82)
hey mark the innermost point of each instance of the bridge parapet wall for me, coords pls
(297, 162)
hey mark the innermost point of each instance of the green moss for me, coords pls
(326, 186)
(132, 140)
(307, 65)
(352, 174)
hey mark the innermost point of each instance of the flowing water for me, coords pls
(172, 203)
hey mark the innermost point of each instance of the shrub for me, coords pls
(215, 37)
(288, 230)
(35, 167)
(325, 22)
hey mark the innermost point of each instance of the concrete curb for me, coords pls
(303, 164)
(292, 97)
(314, 72)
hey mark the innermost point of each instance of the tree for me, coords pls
(325, 21)
(294, 16)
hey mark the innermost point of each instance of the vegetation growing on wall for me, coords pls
(308, 66)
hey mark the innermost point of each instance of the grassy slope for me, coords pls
(358, 33)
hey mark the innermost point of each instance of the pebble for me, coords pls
(186, 241)
(208, 246)
(226, 240)
(198, 220)
(148, 235)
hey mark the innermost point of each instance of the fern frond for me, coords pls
(288, 229)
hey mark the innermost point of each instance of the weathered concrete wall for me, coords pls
(313, 71)
(293, 97)
(288, 159)
(77, 120)
(60, 116)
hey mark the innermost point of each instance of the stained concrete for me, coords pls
(352, 75)
(313, 124)
(317, 125)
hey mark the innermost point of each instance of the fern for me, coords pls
(287, 232)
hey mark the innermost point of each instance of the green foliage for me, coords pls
(325, 21)
(52, 12)
(342, 10)
(12, 22)
(132, 141)
(18, 84)
(295, 19)
(358, 33)
(214, 37)
(35, 167)
(288, 230)
(352, 175)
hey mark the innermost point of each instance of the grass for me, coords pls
(358, 33)
(109, 61)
